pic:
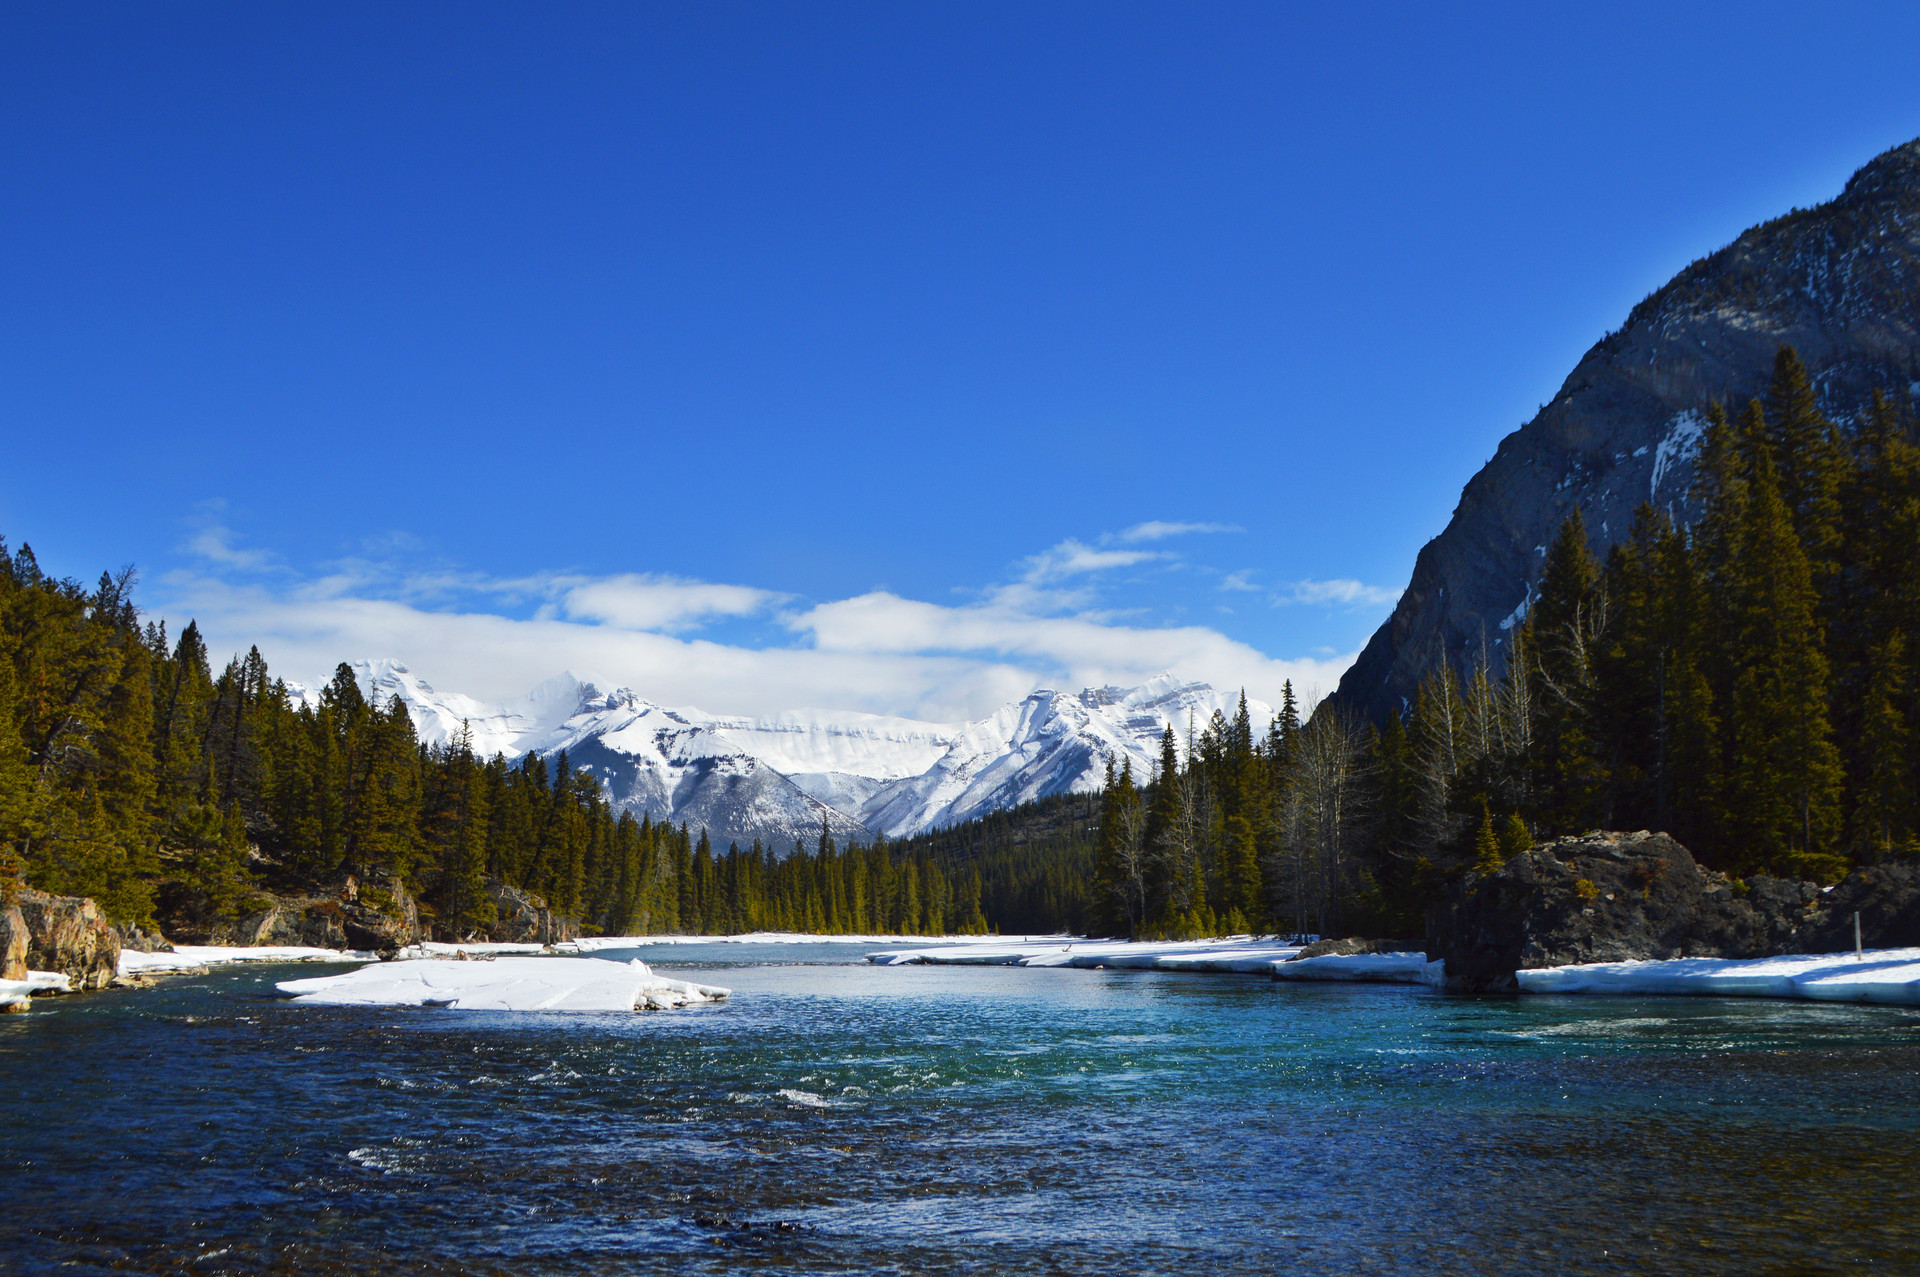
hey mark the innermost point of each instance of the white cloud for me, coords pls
(648, 602)
(876, 652)
(1241, 580)
(494, 637)
(1159, 530)
(1349, 593)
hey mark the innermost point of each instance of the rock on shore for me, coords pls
(70, 935)
(1620, 897)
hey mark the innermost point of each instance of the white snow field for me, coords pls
(1365, 968)
(1877, 975)
(1232, 954)
(503, 984)
(186, 957)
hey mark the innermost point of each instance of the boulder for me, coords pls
(70, 935)
(1612, 897)
(524, 918)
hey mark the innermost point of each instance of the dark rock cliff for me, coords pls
(1840, 283)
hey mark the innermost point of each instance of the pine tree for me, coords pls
(1883, 812)
(1784, 771)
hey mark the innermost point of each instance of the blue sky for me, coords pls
(890, 357)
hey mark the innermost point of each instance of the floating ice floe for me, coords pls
(504, 984)
(1365, 968)
(188, 957)
(1877, 975)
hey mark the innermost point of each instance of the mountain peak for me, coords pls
(781, 776)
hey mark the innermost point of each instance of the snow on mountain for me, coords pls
(781, 777)
(1050, 743)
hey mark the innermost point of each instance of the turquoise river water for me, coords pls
(837, 1117)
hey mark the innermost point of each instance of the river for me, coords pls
(836, 1117)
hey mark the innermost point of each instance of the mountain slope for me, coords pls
(1840, 283)
(782, 777)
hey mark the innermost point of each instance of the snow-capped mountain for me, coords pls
(781, 777)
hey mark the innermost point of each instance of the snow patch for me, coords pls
(1877, 975)
(1685, 433)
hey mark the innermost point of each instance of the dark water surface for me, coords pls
(842, 1118)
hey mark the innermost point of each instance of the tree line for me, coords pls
(131, 773)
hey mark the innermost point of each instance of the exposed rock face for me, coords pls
(69, 934)
(1887, 898)
(524, 918)
(1840, 283)
(378, 914)
(1616, 898)
(14, 941)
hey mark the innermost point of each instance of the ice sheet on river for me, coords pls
(1878, 975)
(1237, 954)
(504, 984)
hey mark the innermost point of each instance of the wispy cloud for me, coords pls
(213, 540)
(1159, 530)
(1072, 558)
(1342, 592)
(1241, 580)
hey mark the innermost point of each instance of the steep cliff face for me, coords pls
(1840, 283)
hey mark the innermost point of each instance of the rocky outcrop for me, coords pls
(1840, 283)
(1887, 898)
(1615, 897)
(70, 935)
(524, 918)
(376, 913)
(14, 942)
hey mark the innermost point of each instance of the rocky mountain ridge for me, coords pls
(781, 777)
(1839, 282)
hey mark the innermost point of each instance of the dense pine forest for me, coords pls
(1746, 683)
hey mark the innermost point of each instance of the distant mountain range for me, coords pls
(1840, 283)
(781, 777)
